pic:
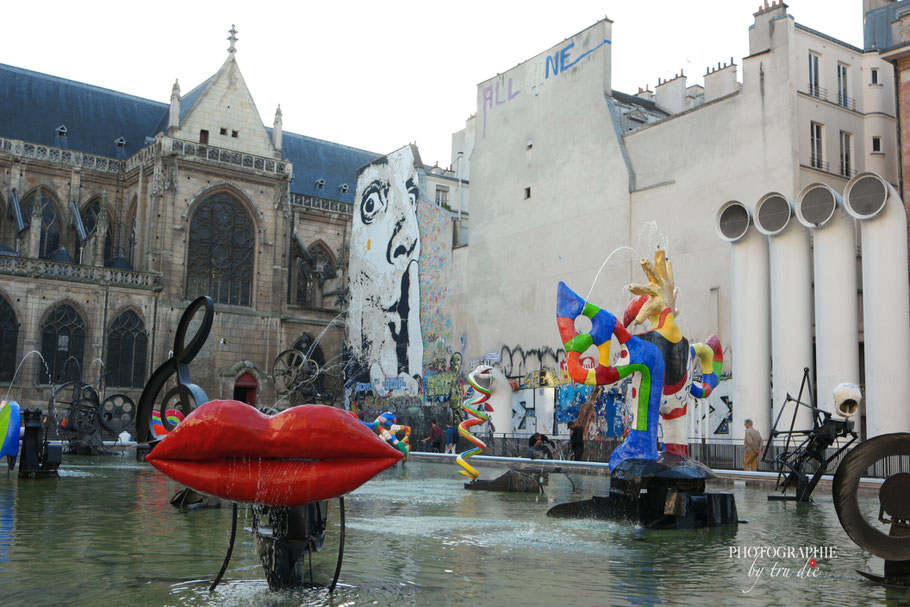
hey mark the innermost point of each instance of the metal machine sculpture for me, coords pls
(894, 507)
(86, 415)
(795, 460)
(286, 466)
(37, 457)
(662, 490)
(299, 379)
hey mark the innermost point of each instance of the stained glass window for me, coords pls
(62, 345)
(90, 214)
(127, 349)
(130, 250)
(303, 294)
(50, 223)
(311, 270)
(220, 262)
(9, 338)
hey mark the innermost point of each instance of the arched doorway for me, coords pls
(245, 389)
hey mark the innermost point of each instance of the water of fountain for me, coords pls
(604, 264)
(316, 341)
(21, 362)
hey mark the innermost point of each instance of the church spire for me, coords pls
(233, 39)
(277, 129)
(173, 122)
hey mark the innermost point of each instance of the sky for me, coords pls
(378, 75)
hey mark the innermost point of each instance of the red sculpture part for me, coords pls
(304, 454)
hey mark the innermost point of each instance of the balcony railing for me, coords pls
(71, 272)
(846, 170)
(845, 101)
(58, 155)
(817, 91)
(230, 157)
(816, 162)
(322, 204)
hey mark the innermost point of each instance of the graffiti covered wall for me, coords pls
(436, 269)
(714, 416)
(384, 317)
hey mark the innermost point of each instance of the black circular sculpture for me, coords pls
(117, 412)
(190, 394)
(894, 499)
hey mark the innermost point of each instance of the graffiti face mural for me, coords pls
(384, 319)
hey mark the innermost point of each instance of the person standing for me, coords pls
(753, 444)
(450, 438)
(577, 441)
(435, 437)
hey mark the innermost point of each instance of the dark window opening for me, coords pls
(815, 146)
(90, 214)
(527, 193)
(223, 131)
(310, 270)
(876, 145)
(126, 351)
(874, 75)
(234, 134)
(9, 337)
(203, 136)
(62, 346)
(50, 224)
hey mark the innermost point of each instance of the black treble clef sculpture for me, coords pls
(189, 394)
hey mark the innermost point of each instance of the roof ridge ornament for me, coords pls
(233, 38)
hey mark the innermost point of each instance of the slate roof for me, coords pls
(186, 103)
(33, 105)
(315, 159)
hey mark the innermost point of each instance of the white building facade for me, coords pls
(574, 181)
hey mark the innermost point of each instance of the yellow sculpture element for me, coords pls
(660, 308)
(705, 358)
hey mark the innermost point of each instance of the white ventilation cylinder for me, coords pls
(821, 209)
(751, 358)
(886, 302)
(790, 269)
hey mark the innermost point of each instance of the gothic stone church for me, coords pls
(118, 211)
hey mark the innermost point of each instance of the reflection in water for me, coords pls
(104, 533)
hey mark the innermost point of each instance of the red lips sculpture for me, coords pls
(304, 454)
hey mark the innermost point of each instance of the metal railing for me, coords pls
(845, 101)
(719, 456)
(846, 170)
(818, 92)
(816, 162)
(729, 456)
